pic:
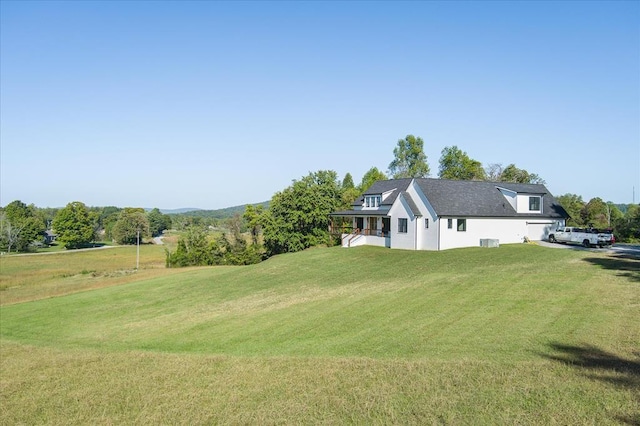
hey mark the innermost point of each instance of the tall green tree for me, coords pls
(595, 213)
(349, 191)
(370, 177)
(613, 214)
(513, 174)
(108, 218)
(253, 217)
(21, 226)
(627, 228)
(456, 164)
(347, 182)
(409, 161)
(131, 224)
(298, 216)
(158, 222)
(74, 225)
(573, 204)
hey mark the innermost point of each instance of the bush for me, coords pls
(195, 249)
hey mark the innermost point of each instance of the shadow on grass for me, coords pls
(627, 265)
(601, 365)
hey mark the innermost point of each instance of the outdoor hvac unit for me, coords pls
(489, 242)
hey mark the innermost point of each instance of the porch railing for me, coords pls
(348, 229)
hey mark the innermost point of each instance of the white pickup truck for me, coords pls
(588, 237)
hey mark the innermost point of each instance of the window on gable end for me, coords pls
(402, 225)
(426, 223)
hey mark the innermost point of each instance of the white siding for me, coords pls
(522, 202)
(427, 238)
(351, 240)
(539, 230)
(507, 231)
(402, 240)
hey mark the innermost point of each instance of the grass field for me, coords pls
(516, 335)
(36, 276)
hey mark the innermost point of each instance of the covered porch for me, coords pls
(357, 228)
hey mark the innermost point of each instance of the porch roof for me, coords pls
(382, 211)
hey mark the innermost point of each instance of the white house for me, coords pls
(439, 214)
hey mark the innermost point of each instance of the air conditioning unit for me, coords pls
(489, 242)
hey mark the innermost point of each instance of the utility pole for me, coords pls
(138, 252)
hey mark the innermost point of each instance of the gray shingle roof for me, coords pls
(483, 199)
(412, 205)
(382, 211)
(382, 186)
(460, 198)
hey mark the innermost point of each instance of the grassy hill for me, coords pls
(519, 334)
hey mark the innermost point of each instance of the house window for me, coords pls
(462, 225)
(534, 204)
(449, 223)
(426, 223)
(372, 201)
(402, 225)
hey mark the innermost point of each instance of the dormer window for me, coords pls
(372, 201)
(534, 204)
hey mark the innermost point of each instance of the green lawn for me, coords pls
(516, 335)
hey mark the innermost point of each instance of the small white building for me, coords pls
(439, 214)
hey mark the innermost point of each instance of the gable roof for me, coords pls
(394, 187)
(461, 198)
(380, 187)
(484, 199)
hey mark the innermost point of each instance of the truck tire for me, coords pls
(552, 238)
(586, 243)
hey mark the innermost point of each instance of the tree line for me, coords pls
(295, 218)
(24, 227)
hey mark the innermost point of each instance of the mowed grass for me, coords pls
(516, 335)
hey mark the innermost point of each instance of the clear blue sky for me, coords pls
(215, 104)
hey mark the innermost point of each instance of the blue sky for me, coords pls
(216, 104)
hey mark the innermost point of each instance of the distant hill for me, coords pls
(177, 211)
(214, 214)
